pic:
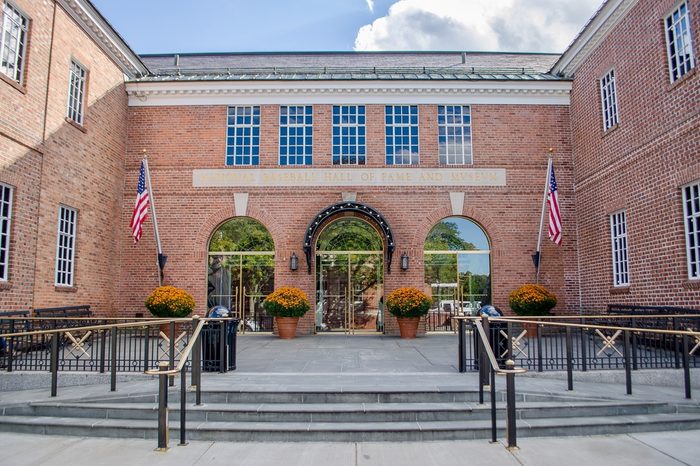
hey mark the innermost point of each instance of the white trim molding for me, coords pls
(105, 36)
(154, 94)
(593, 34)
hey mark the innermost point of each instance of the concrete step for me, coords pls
(347, 432)
(338, 412)
(341, 397)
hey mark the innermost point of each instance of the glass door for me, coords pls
(350, 288)
(240, 282)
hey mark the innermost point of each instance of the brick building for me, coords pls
(350, 174)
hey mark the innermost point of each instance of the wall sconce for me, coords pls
(404, 261)
(293, 262)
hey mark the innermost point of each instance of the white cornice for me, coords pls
(593, 34)
(154, 94)
(104, 36)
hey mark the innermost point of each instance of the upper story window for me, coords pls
(65, 246)
(243, 136)
(402, 135)
(620, 260)
(679, 42)
(691, 209)
(76, 92)
(349, 143)
(13, 42)
(608, 97)
(5, 217)
(455, 134)
(296, 135)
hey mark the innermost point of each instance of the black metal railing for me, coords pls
(440, 320)
(590, 343)
(99, 345)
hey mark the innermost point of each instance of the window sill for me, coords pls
(693, 284)
(5, 285)
(19, 87)
(65, 289)
(610, 130)
(620, 289)
(76, 125)
(678, 82)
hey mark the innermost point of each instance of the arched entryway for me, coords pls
(349, 277)
(242, 271)
(457, 256)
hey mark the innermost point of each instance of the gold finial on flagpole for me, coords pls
(145, 155)
(551, 149)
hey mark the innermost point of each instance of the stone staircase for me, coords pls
(344, 416)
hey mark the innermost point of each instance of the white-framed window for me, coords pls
(296, 135)
(65, 246)
(620, 260)
(5, 220)
(349, 139)
(243, 136)
(608, 97)
(76, 92)
(679, 42)
(691, 210)
(401, 130)
(455, 134)
(13, 42)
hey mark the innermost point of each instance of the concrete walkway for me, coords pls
(360, 362)
(657, 449)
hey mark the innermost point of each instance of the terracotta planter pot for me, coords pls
(531, 329)
(287, 327)
(408, 326)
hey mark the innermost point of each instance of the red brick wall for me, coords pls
(50, 162)
(180, 139)
(21, 128)
(638, 166)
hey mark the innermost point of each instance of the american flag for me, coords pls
(554, 214)
(141, 207)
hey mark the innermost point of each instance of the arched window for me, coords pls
(242, 271)
(457, 256)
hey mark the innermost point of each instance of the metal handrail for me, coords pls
(95, 327)
(629, 335)
(492, 357)
(185, 352)
(165, 371)
(510, 373)
(691, 333)
(602, 327)
(587, 316)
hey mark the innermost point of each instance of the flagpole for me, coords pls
(160, 258)
(537, 256)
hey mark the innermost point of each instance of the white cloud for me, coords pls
(370, 5)
(506, 25)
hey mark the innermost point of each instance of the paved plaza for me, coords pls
(359, 362)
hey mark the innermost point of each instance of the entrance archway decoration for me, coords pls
(355, 207)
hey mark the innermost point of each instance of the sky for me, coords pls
(169, 26)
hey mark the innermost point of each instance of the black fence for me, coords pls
(134, 348)
(440, 320)
(549, 348)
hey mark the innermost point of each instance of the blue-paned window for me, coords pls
(455, 134)
(401, 134)
(243, 136)
(296, 135)
(349, 139)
